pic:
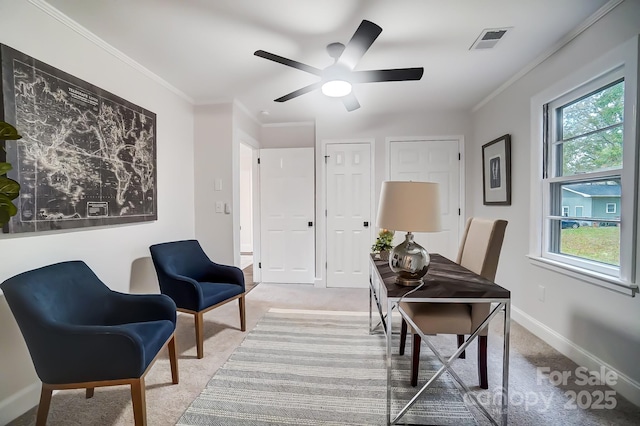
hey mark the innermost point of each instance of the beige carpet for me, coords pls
(301, 367)
(166, 402)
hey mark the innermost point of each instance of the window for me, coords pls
(588, 147)
(584, 165)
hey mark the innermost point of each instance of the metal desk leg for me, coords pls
(388, 324)
(370, 300)
(505, 362)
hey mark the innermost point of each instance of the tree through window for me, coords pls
(585, 165)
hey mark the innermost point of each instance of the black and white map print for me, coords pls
(87, 157)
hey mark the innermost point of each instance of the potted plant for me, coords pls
(9, 188)
(383, 244)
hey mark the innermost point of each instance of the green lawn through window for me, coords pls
(601, 244)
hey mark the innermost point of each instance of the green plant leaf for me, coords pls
(7, 209)
(8, 132)
(4, 217)
(9, 188)
(4, 168)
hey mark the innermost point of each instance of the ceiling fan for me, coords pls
(336, 79)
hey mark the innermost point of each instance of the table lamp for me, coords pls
(410, 207)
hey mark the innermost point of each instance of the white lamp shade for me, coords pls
(409, 206)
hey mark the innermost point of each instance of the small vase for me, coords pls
(384, 255)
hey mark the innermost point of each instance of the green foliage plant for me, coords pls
(384, 242)
(9, 188)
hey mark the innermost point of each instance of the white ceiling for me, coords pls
(204, 48)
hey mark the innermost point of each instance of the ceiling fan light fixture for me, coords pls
(336, 88)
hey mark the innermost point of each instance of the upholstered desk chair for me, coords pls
(479, 252)
(195, 283)
(81, 334)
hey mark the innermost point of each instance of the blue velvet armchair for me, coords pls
(195, 283)
(81, 334)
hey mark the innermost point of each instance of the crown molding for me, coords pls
(65, 20)
(553, 49)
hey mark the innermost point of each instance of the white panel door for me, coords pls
(287, 222)
(432, 161)
(349, 235)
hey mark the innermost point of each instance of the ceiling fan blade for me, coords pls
(398, 74)
(350, 102)
(361, 41)
(299, 92)
(288, 62)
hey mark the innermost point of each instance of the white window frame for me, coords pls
(555, 176)
(622, 279)
(612, 210)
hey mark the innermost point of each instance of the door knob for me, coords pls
(366, 224)
(310, 224)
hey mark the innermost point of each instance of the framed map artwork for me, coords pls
(86, 158)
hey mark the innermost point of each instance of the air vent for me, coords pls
(488, 38)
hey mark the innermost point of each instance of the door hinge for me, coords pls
(325, 158)
(459, 212)
(259, 265)
(459, 156)
(325, 213)
(258, 160)
(326, 265)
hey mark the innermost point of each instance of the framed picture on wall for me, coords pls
(496, 172)
(87, 156)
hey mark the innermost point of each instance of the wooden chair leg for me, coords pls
(199, 316)
(243, 318)
(415, 358)
(482, 362)
(43, 407)
(138, 399)
(173, 360)
(403, 336)
(90, 392)
(460, 343)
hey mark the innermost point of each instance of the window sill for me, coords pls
(600, 280)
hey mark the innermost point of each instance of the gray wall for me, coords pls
(119, 255)
(591, 324)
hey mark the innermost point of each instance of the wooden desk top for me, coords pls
(445, 279)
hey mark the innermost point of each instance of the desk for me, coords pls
(446, 282)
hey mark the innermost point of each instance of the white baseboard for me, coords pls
(625, 386)
(19, 403)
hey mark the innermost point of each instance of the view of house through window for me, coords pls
(584, 167)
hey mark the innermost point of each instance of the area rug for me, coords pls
(319, 368)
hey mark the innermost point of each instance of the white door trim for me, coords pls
(321, 229)
(241, 137)
(458, 138)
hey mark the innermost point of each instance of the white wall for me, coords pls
(119, 255)
(288, 135)
(592, 325)
(218, 132)
(213, 162)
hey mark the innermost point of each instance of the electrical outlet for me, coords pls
(541, 293)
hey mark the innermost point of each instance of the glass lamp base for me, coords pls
(408, 282)
(410, 261)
